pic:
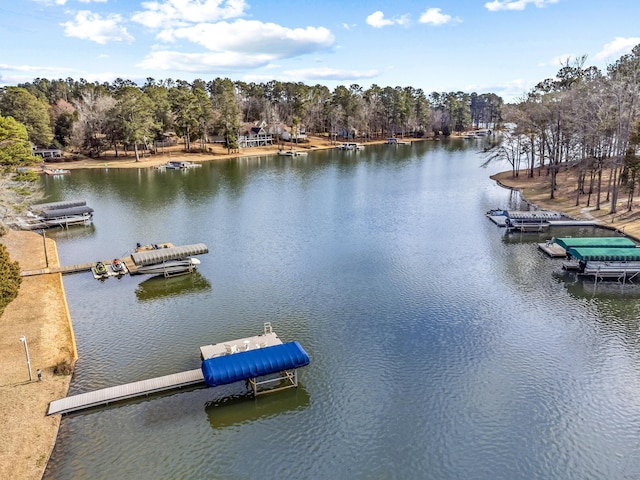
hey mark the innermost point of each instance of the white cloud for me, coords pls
(377, 20)
(314, 75)
(91, 26)
(51, 2)
(31, 68)
(620, 46)
(330, 74)
(253, 37)
(498, 5)
(168, 13)
(510, 91)
(202, 62)
(433, 17)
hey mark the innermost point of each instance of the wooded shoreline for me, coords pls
(536, 190)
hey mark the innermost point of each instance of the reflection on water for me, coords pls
(160, 287)
(582, 287)
(238, 410)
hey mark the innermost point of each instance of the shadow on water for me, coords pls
(160, 287)
(238, 410)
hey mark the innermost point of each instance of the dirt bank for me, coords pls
(536, 190)
(40, 314)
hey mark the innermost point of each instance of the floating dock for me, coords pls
(534, 220)
(223, 363)
(148, 255)
(552, 249)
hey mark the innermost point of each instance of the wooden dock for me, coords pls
(78, 267)
(86, 267)
(552, 249)
(123, 392)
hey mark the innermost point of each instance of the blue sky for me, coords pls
(499, 46)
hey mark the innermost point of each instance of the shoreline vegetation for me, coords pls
(215, 152)
(40, 311)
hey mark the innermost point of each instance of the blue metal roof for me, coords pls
(253, 363)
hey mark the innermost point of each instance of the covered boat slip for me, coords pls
(260, 356)
(41, 207)
(613, 254)
(557, 247)
(260, 362)
(152, 257)
(66, 212)
(595, 242)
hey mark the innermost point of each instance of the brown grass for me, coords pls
(537, 191)
(40, 314)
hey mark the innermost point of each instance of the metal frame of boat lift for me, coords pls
(287, 375)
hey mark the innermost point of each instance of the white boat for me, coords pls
(170, 268)
(167, 261)
(175, 165)
(395, 141)
(351, 146)
(291, 153)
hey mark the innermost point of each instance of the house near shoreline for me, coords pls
(46, 152)
(254, 135)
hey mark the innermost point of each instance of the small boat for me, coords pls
(395, 141)
(100, 269)
(170, 267)
(351, 146)
(291, 153)
(56, 171)
(175, 165)
(117, 266)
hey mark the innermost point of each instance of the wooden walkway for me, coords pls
(123, 392)
(80, 267)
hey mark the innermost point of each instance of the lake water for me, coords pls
(440, 347)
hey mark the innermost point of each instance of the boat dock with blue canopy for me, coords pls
(262, 360)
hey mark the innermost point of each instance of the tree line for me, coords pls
(584, 120)
(90, 118)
